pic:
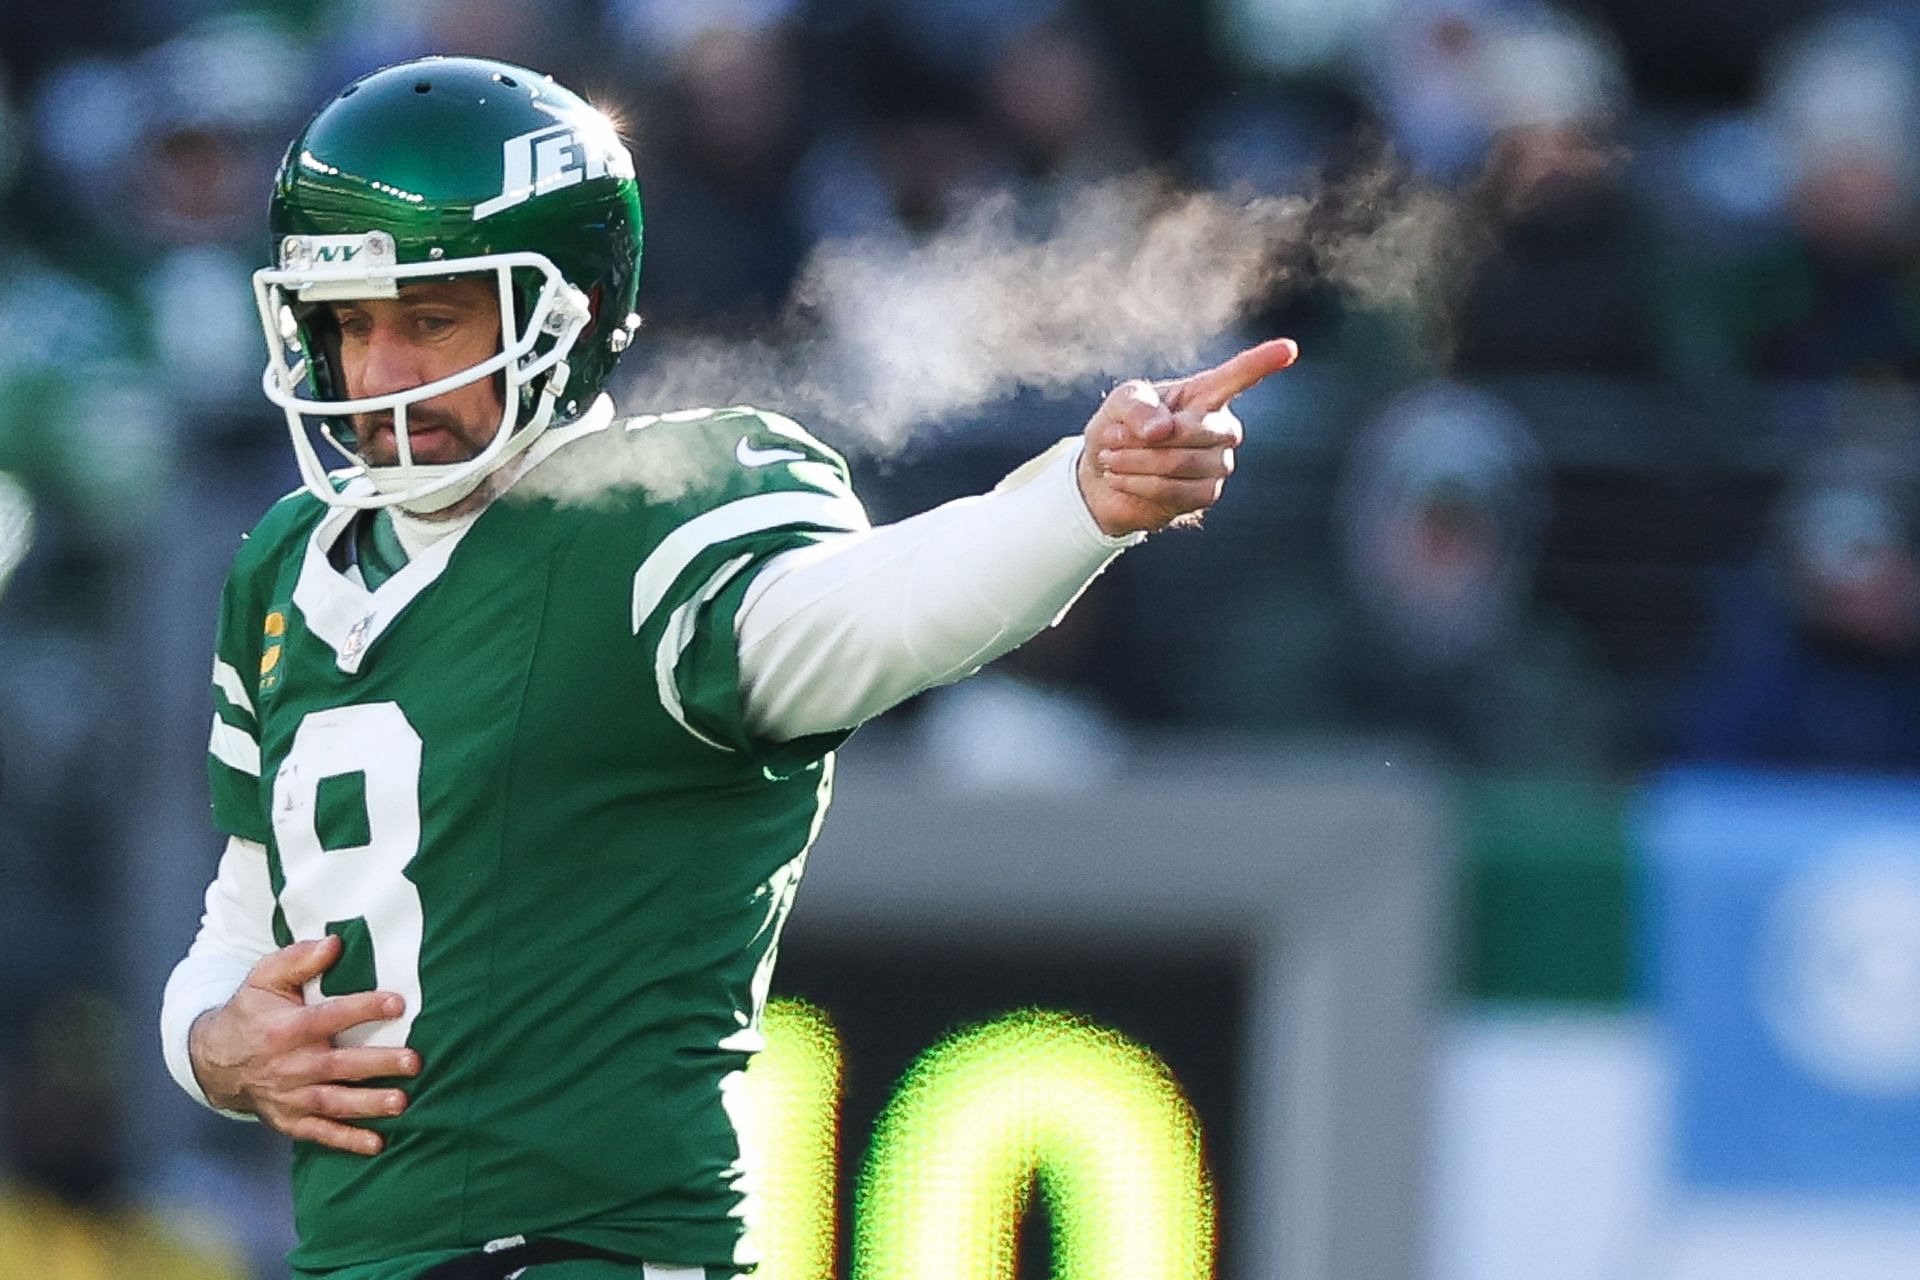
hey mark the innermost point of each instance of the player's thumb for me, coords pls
(291, 967)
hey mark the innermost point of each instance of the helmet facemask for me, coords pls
(542, 317)
(435, 168)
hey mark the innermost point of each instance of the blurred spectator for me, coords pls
(83, 465)
(34, 37)
(1023, 108)
(160, 162)
(1565, 285)
(1425, 78)
(1832, 289)
(668, 29)
(1269, 143)
(1814, 659)
(1434, 640)
(1520, 111)
(958, 38)
(910, 156)
(719, 156)
(65, 1211)
(1295, 39)
(1513, 113)
(359, 36)
(1050, 104)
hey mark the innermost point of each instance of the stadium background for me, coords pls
(1597, 559)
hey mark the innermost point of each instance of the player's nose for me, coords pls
(388, 364)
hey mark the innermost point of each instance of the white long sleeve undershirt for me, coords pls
(236, 930)
(833, 634)
(830, 635)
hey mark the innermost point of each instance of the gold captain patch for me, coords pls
(275, 628)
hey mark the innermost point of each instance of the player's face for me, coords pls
(433, 329)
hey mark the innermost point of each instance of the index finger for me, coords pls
(1213, 388)
(330, 1017)
(286, 969)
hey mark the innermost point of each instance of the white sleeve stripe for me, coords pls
(679, 634)
(234, 748)
(227, 680)
(733, 520)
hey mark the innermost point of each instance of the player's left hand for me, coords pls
(1160, 451)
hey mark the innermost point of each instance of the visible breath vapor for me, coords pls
(883, 338)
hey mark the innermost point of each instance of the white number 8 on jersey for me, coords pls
(365, 882)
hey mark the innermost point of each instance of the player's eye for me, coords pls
(355, 325)
(435, 326)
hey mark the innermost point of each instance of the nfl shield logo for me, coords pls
(357, 638)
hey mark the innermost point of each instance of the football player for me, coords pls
(525, 712)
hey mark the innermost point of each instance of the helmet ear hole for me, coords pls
(320, 337)
(526, 298)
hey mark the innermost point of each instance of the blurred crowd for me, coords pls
(1633, 480)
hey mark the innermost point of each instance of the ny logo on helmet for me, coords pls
(544, 160)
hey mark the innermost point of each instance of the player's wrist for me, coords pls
(217, 1080)
(1087, 481)
(1095, 505)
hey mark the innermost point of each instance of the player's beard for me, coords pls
(453, 440)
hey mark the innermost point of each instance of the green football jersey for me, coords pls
(517, 781)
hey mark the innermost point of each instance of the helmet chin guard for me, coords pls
(532, 364)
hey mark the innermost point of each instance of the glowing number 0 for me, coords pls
(1097, 1121)
(365, 882)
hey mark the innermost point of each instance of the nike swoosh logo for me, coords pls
(751, 457)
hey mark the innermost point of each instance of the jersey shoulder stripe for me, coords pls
(703, 483)
(244, 655)
(702, 500)
(235, 748)
(681, 630)
(755, 513)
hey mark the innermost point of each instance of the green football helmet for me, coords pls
(449, 167)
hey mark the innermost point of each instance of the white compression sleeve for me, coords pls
(837, 632)
(236, 930)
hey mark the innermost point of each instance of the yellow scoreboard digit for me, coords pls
(787, 1113)
(1033, 1101)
